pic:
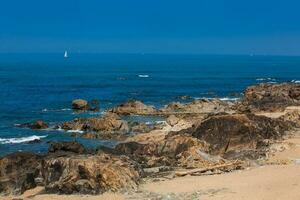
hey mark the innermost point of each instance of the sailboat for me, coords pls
(66, 54)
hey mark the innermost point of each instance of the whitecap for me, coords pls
(221, 98)
(295, 81)
(20, 140)
(143, 76)
(75, 131)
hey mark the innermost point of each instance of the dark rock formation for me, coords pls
(238, 132)
(271, 97)
(90, 174)
(35, 125)
(18, 172)
(134, 107)
(74, 147)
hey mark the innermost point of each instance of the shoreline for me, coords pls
(216, 145)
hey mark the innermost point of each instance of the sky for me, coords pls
(265, 27)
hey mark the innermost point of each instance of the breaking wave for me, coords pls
(20, 140)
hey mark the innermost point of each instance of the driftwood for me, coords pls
(202, 170)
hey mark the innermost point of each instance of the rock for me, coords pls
(198, 106)
(272, 97)
(139, 127)
(291, 116)
(134, 107)
(109, 124)
(172, 120)
(174, 150)
(228, 134)
(90, 174)
(39, 124)
(74, 147)
(35, 141)
(18, 172)
(80, 104)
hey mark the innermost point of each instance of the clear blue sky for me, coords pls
(151, 26)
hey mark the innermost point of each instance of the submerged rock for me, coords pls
(90, 174)
(134, 107)
(39, 124)
(18, 172)
(271, 97)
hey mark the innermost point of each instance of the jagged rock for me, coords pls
(172, 120)
(134, 107)
(80, 104)
(198, 106)
(90, 174)
(139, 127)
(238, 132)
(74, 147)
(39, 124)
(271, 97)
(109, 123)
(292, 116)
(174, 150)
(18, 172)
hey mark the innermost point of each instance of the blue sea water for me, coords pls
(42, 86)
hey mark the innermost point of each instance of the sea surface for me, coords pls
(42, 86)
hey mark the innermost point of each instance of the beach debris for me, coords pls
(223, 167)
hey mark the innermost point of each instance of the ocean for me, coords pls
(42, 86)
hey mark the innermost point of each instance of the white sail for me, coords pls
(66, 54)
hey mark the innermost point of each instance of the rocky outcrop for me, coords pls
(231, 135)
(198, 106)
(18, 172)
(110, 124)
(174, 150)
(172, 120)
(39, 124)
(90, 174)
(83, 105)
(271, 97)
(134, 107)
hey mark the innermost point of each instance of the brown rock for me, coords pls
(90, 174)
(80, 104)
(18, 172)
(172, 120)
(272, 97)
(236, 133)
(134, 107)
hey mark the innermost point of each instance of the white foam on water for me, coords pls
(295, 81)
(221, 98)
(266, 79)
(143, 76)
(20, 140)
(75, 131)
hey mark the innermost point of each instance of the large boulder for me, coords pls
(271, 97)
(90, 174)
(134, 107)
(18, 172)
(80, 104)
(238, 133)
